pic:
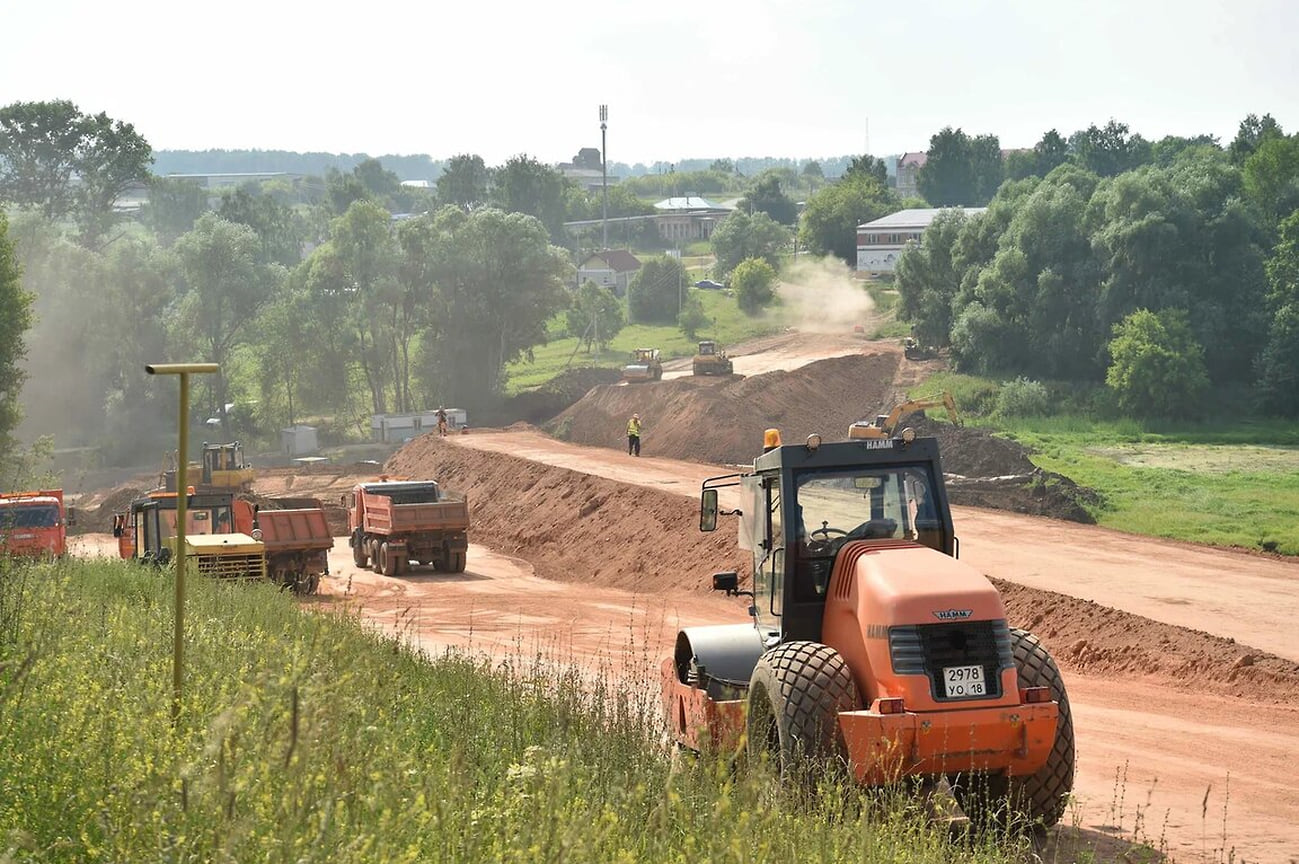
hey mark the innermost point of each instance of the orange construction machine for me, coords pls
(229, 537)
(34, 524)
(396, 524)
(871, 644)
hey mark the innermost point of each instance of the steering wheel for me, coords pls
(826, 533)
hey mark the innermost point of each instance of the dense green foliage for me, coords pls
(306, 737)
(960, 171)
(830, 220)
(754, 281)
(595, 315)
(63, 163)
(15, 318)
(1036, 285)
(1158, 368)
(657, 291)
(747, 235)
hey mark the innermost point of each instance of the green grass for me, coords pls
(1226, 480)
(732, 326)
(306, 737)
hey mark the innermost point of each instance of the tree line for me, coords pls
(1161, 269)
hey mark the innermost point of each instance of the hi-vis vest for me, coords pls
(633, 427)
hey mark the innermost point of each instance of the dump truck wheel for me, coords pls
(795, 695)
(456, 563)
(358, 554)
(1039, 799)
(388, 560)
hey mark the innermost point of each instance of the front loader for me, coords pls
(872, 646)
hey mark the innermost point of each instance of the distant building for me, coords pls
(613, 268)
(585, 170)
(225, 181)
(909, 165)
(396, 428)
(298, 440)
(688, 218)
(879, 243)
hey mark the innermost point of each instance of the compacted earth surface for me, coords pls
(1182, 674)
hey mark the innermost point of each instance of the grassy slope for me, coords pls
(304, 737)
(731, 326)
(1223, 482)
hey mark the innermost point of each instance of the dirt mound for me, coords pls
(721, 420)
(579, 528)
(1101, 640)
(576, 527)
(99, 519)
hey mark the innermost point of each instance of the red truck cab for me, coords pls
(34, 524)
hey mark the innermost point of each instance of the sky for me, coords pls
(683, 80)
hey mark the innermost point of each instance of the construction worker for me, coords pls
(633, 435)
(442, 422)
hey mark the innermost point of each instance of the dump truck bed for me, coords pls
(384, 517)
(305, 529)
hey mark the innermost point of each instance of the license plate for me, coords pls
(964, 681)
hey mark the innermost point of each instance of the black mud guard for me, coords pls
(727, 654)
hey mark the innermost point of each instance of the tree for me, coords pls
(342, 191)
(595, 316)
(868, 167)
(986, 169)
(174, 205)
(276, 227)
(61, 162)
(463, 182)
(1050, 152)
(524, 185)
(722, 166)
(947, 177)
(1271, 176)
(497, 282)
(754, 282)
(830, 220)
(1158, 367)
(226, 287)
(15, 319)
(377, 180)
(1253, 131)
(1109, 150)
(813, 172)
(766, 196)
(693, 318)
(928, 278)
(741, 236)
(655, 293)
(1278, 366)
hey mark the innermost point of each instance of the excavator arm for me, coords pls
(884, 426)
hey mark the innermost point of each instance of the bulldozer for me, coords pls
(872, 647)
(645, 366)
(711, 360)
(913, 350)
(223, 467)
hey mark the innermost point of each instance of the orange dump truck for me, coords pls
(871, 645)
(297, 543)
(34, 524)
(395, 524)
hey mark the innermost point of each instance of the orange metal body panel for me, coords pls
(36, 541)
(884, 747)
(295, 530)
(877, 584)
(695, 720)
(378, 515)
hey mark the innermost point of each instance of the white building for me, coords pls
(879, 243)
(396, 428)
(298, 440)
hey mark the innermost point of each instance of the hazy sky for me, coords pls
(796, 78)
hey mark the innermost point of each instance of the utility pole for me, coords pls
(604, 179)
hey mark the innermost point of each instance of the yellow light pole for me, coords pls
(183, 370)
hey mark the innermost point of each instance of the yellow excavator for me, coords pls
(884, 424)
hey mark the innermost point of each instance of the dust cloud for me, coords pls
(819, 295)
